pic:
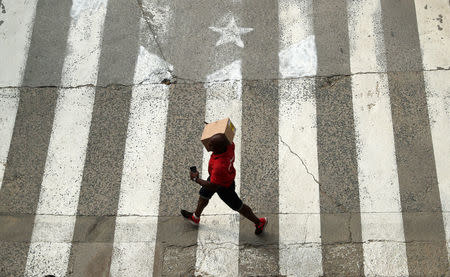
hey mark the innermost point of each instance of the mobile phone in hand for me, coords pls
(193, 169)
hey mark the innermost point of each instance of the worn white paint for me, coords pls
(153, 69)
(298, 56)
(86, 6)
(137, 215)
(438, 98)
(56, 213)
(366, 41)
(231, 33)
(83, 50)
(433, 23)
(299, 60)
(299, 223)
(381, 217)
(15, 35)
(9, 102)
(218, 234)
(61, 183)
(134, 246)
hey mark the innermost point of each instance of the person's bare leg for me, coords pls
(202, 203)
(247, 212)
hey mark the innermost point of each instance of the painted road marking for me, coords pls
(55, 217)
(300, 243)
(433, 25)
(15, 34)
(218, 235)
(381, 217)
(299, 221)
(102, 172)
(298, 55)
(365, 37)
(15, 38)
(136, 222)
(434, 35)
(137, 215)
(438, 97)
(419, 189)
(19, 195)
(231, 33)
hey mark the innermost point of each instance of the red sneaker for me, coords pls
(190, 217)
(260, 227)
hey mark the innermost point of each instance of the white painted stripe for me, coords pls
(218, 234)
(9, 102)
(299, 220)
(85, 38)
(15, 35)
(381, 217)
(136, 223)
(300, 243)
(137, 215)
(434, 35)
(366, 40)
(298, 54)
(56, 213)
(438, 98)
(434, 32)
(61, 183)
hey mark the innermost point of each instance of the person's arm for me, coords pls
(203, 183)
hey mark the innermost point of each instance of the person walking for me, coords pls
(221, 180)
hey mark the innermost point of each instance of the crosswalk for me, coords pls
(343, 141)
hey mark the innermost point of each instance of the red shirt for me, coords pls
(221, 168)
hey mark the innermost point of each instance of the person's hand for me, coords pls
(194, 175)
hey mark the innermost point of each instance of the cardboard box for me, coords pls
(223, 126)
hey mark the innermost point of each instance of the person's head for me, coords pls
(218, 143)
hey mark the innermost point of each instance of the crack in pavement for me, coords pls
(298, 156)
(192, 81)
(140, 5)
(84, 86)
(322, 192)
(315, 76)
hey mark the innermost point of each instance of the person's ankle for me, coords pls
(195, 216)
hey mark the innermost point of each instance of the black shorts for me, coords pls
(228, 195)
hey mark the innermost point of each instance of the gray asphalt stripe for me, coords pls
(259, 176)
(342, 251)
(259, 150)
(19, 194)
(46, 53)
(176, 239)
(99, 195)
(419, 192)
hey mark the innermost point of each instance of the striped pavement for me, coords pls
(343, 122)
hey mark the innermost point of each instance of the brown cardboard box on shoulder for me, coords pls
(223, 126)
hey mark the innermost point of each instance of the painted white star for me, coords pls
(231, 33)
